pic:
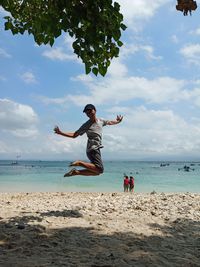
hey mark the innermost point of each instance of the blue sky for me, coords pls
(154, 83)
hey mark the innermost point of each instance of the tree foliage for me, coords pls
(95, 25)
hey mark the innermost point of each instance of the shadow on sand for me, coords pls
(24, 244)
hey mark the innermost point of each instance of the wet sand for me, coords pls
(99, 229)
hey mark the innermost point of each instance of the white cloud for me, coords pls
(117, 68)
(196, 31)
(147, 132)
(26, 132)
(18, 119)
(28, 77)
(56, 101)
(3, 53)
(58, 54)
(118, 87)
(83, 78)
(194, 95)
(135, 11)
(175, 39)
(3, 147)
(150, 52)
(192, 53)
(72, 146)
(146, 50)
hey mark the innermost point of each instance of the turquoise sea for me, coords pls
(47, 176)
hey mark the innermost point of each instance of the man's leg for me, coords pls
(87, 165)
(84, 172)
(95, 164)
(94, 167)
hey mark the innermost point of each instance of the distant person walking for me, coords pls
(126, 183)
(131, 184)
(93, 129)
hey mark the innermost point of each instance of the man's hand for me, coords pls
(57, 130)
(119, 118)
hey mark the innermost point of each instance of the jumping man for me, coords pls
(93, 129)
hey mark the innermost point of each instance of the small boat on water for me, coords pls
(186, 168)
(14, 163)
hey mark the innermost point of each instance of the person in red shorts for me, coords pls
(131, 184)
(126, 183)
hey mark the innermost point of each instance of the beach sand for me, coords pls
(99, 229)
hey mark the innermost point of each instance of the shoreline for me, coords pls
(99, 229)
(48, 177)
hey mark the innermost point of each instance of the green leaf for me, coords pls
(119, 43)
(21, 31)
(71, 33)
(57, 33)
(46, 40)
(8, 25)
(108, 63)
(51, 41)
(7, 17)
(95, 71)
(102, 70)
(14, 31)
(87, 68)
(116, 35)
(123, 26)
(116, 6)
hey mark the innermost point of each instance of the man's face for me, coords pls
(90, 113)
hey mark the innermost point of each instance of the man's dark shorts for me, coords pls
(95, 157)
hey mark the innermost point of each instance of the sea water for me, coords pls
(47, 176)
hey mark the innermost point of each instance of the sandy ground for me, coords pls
(99, 229)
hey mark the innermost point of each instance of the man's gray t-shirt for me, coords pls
(94, 133)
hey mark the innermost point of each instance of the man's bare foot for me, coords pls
(75, 163)
(71, 173)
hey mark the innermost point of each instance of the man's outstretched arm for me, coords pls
(116, 121)
(70, 135)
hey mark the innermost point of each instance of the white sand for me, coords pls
(99, 229)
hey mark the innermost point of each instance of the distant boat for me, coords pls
(164, 164)
(14, 163)
(186, 168)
